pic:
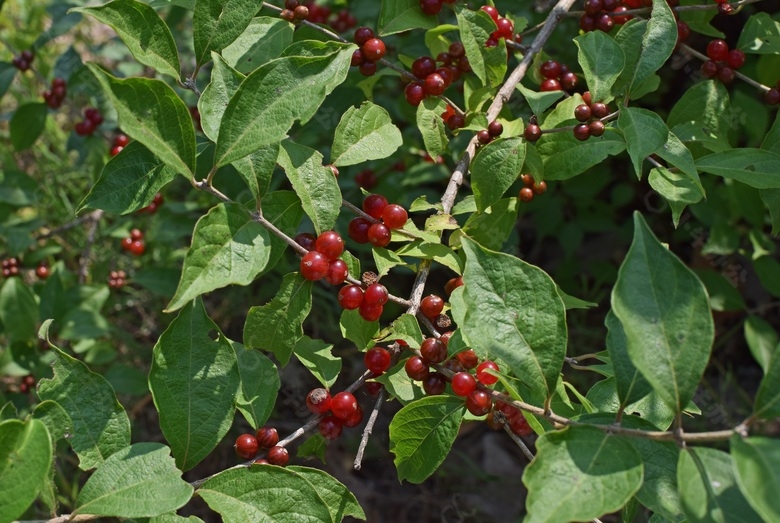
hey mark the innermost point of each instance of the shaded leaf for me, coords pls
(364, 133)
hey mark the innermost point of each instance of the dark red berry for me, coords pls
(506, 28)
(620, 20)
(278, 456)
(483, 137)
(431, 306)
(453, 284)
(376, 294)
(588, 22)
(526, 194)
(394, 216)
(367, 68)
(136, 234)
(330, 427)
(718, 50)
(267, 437)
(370, 312)
(599, 110)
(379, 235)
(358, 230)
(457, 50)
(430, 7)
(414, 93)
(604, 22)
(306, 240)
(374, 204)
(683, 31)
(329, 244)
(709, 69)
(485, 377)
(596, 128)
(726, 74)
(93, 115)
(433, 351)
(246, 446)
(582, 113)
(455, 121)
(423, 66)
(121, 140)
(350, 297)
(735, 59)
(550, 84)
(468, 359)
(337, 272)
(357, 58)
(355, 419)
(492, 11)
(137, 247)
(772, 96)
(581, 132)
(569, 81)
(463, 384)
(115, 150)
(416, 368)
(373, 387)
(479, 403)
(592, 6)
(586, 97)
(318, 401)
(434, 84)
(495, 128)
(373, 49)
(377, 360)
(532, 132)
(540, 188)
(314, 266)
(363, 35)
(42, 271)
(343, 405)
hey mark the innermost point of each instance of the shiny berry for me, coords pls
(357, 58)
(596, 128)
(137, 248)
(42, 271)
(355, 419)
(314, 266)
(378, 235)
(370, 312)
(772, 96)
(358, 230)
(374, 205)
(463, 384)
(376, 294)
(431, 306)
(115, 150)
(599, 110)
(414, 93)
(483, 137)
(337, 272)
(492, 11)
(495, 128)
(550, 84)
(485, 377)
(306, 240)
(329, 244)
(457, 50)
(318, 401)
(718, 50)
(330, 427)
(394, 216)
(121, 140)
(434, 384)
(267, 437)
(539, 188)
(582, 113)
(350, 297)
(363, 35)
(532, 132)
(479, 403)
(551, 69)
(434, 84)
(735, 59)
(569, 81)
(526, 194)
(246, 446)
(709, 69)
(433, 351)
(453, 284)
(592, 6)
(455, 121)
(343, 405)
(416, 368)
(136, 234)
(467, 358)
(430, 7)
(726, 74)
(377, 360)
(604, 22)
(278, 456)
(367, 68)
(373, 49)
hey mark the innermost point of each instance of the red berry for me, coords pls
(121, 140)
(485, 377)
(463, 384)
(358, 229)
(370, 312)
(367, 68)
(350, 297)
(479, 403)
(541, 187)
(374, 205)
(127, 243)
(433, 351)
(483, 137)
(373, 387)
(278, 456)
(620, 20)
(93, 115)
(318, 401)
(581, 132)
(736, 59)
(468, 359)
(394, 216)
(337, 272)
(42, 271)
(363, 35)
(551, 69)
(434, 84)
(137, 247)
(377, 360)
(726, 74)
(416, 368)
(457, 50)
(330, 245)
(456, 121)
(115, 150)
(330, 427)
(604, 22)
(378, 235)
(495, 128)
(246, 446)
(430, 7)
(431, 306)
(532, 132)
(519, 425)
(683, 31)
(599, 110)
(595, 128)
(306, 240)
(376, 294)
(373, 49)
(588, 22)
(506, 28)
(314, 266)
(343, 405)
(586, 97)
(492, 11)
(136, 234)
(592, 6)
(582, 113)
(357, 58)
(355, 419)
(718, 50)
(526, 194)
(453, 284)
(267, 437)
(772, 96)
(423, 66)
(569, 81)
(550, 84)
(414, 93)
(709, 69)
(434, 384)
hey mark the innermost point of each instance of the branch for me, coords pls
(369, 428)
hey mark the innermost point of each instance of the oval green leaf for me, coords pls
(18, 310)
(644, 132)
(494, 170)
(259, 385)
(767, 403)
(602, 61)
(25, 460)
(757, 467)
(758, 168)
(364, 133)
(27, 124)
(216, 23)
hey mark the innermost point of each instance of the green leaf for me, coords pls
(767, 403)
(101, 426)
(138, 481)
(431, 126)
(666, 316)
(142, 30)
(17, 188)
(602, 61)
(708, 488)
(771, 199)
(488, 63)
(703, 114)
(151, 112)
(217, 23)
(580, 473)
(676, 153)
(603, 395)
(283, 209)
(699, 20)
(18, 310)
(25, 460)
(396, 16)
(658, 43)
(364, 133)
(406, 328)
(276, 95)
(27, 124)
(128, 182)
(432, 251)
(316, 356)
(760, 35)
(399, 386)
(491, 228)
(7, 75)
(228, 247)
(194, 380)
(314, 184)
(768, 271)
(755, 167)
(422, 433)
(757, 468)
(257, 169)
(278, 325)
(212, 103)
(723, 295)
(762, 340)
(677, 188)
(644, 132)
(539, 101)
(314, 447)
(259, 385)
(264, 39)
(629, 38)
(56, 420)
(514, 313)
(631, 386)
(357, 330)
(495, 168)
(277, 495)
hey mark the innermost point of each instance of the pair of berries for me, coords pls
(343, 410)
(152, 207)
(557, 76)
(120, 142)
(117, 279)
(722, 62)
(392, 216)
(294, 12)
(10, 267)
(54, 96)
(92, 119)
(505, 28)
(24, 60)
(247, 446)
(494, 130)
(531, 188)
(590, 114)
(322, 260)
(432, 7)
(452, 119)
(342, 21)
(371, 50)
(134, 244)
(370, 303)
(27, 383)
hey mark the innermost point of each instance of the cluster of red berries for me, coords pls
(531, 188)
(452, 119)
(600, 15)
(370, 302)
(134, 244)
(366, 179)
(10, 267)
(435, 76)
(371, 50)
(24, 60)
(494, 130)
(247, 446)
(772, 96)
(722, 62)
(120, 142)
(322, 260)
(557, 76)
(27, 383)
(54, 96)
(432, 7)
(152, 207)
(589, 114)
(42, 271)
(505, 28)
(117, 279)
(294, 12)
(341, 410)
(513, 416)
(342, 21)
(92, 119)
(392, 216)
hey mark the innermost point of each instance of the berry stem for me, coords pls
(369, 428)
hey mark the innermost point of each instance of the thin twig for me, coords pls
(84, 261)
(369, 428)
(520, 443)
(92, 216)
